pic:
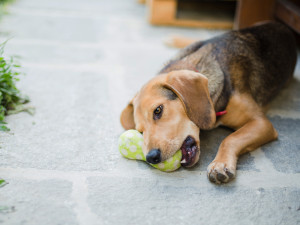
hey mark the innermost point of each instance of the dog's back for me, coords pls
(258, 60)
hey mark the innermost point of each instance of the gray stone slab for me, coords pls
(284, 153)
(149, 59)
(72, 128)
(52, 53)
(100, 25)
(84, 60)
(288, 98)
(104, 7)
(151, 200)
(53, 28)
(36, 203)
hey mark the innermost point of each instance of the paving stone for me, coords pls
(288, 99)
(36, 202)
(284, 153)
(52, 53)
(72, 128)
(53, 28)
(84, 60)
(152, 60)
(95, 6)
(150, 200)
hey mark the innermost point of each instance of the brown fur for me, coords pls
(240, 71)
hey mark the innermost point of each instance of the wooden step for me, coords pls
(215, 15)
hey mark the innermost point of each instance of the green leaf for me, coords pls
(4, 128)
(21, 108)
(11, 100)
(7, 209)
(2, 182)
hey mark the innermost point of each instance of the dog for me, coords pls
(234, 75)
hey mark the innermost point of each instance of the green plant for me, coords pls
(3, 6)
(2, 182)
(3, 2)
(11, 100)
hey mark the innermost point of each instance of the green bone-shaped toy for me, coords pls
(130, 146)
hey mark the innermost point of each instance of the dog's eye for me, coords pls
(157, 113)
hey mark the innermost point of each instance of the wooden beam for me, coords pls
(250, 12)
(289, 13)
(164, 12)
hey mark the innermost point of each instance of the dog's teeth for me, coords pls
(183, 161)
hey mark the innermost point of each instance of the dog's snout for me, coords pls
(154, 156)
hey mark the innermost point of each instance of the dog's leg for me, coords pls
(179, 42)
(253, 130)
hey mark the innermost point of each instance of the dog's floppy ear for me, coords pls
(192, 89)
(127, 118)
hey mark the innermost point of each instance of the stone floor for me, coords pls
(83, 61)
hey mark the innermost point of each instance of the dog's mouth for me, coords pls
(189, 151)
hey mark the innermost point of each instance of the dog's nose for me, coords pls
(154, 156)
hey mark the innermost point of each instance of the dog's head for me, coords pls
(170, 110)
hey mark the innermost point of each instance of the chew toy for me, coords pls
(130, 146)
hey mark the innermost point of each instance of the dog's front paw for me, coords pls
(220, 172)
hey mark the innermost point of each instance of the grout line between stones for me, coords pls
(292, 114)
(81, 208)
(244, 179)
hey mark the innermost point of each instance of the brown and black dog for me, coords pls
(239, 71)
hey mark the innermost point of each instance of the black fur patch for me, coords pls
(169, 94)
(258, 60)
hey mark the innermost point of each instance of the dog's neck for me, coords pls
(215, 80)
(207, 65)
